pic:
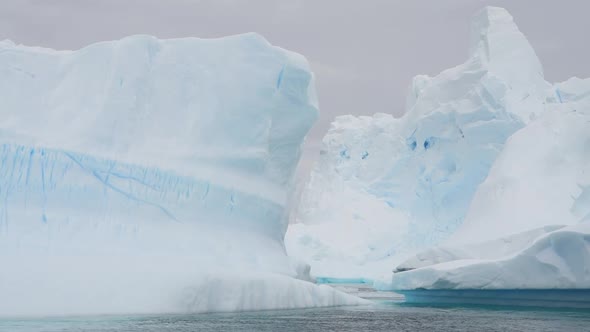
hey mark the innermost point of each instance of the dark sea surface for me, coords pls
(383, 316)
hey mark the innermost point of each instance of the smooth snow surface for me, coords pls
(130, 170)
(554, 260)
(485, 150)
(492, 249)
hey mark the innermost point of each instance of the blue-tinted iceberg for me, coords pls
(542, 175)
(399, 185)
(136, 171)
(487, 159)
(540, 178)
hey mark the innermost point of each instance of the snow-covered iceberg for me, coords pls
(136, 171)
(403, 184)
(541, 177)
(487, 157)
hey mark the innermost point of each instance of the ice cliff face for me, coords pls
(400, 185)
(183, 130)
(142, 165)
(245, 106)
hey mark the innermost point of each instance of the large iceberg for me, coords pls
(147, 175)
(408, 182)
(487, 157)
(540, 178)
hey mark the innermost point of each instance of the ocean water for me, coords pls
(379, 317)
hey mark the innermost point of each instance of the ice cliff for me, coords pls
(146, 175)
(485, 150)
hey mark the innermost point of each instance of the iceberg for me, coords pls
(479, 194)
(541, 177)
(146, 175)
(397, 186)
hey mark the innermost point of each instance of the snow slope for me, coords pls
(555, 260)
(136, 170)
(542, 176)
(491, 249)
(394, 186)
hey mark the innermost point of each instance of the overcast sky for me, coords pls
(364, 52)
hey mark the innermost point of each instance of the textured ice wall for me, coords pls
(234, 104)
(419, 172)
(134, 172)
(55, 199)
(219, 121)
(184, 130)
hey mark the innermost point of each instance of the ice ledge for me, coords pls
(555, 260)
